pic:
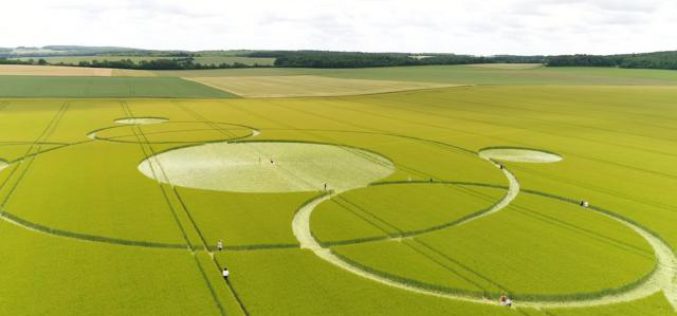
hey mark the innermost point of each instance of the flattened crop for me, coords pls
(267, 167)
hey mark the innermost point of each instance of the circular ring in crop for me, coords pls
(183, 132)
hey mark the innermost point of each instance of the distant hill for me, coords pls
(76, 50)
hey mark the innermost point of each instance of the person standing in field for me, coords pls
(219, 245)
(225, 273)
(504, 300)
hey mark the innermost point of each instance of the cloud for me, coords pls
(460, 26)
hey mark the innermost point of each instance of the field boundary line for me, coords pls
(29, 157)
(173, 192)
(18, 221)
(149, 154)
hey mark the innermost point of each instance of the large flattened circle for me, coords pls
(514, 154)
(267, 167)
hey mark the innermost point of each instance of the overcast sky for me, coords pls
(482, 27)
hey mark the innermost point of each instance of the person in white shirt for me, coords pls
(219, 245)
(225, 273)
(504, 300)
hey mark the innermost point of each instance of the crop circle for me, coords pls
(185, 132)
(141, 120)
(516, 154)
(267, 167)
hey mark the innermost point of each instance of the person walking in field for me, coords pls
(219, 245)
(225, 273)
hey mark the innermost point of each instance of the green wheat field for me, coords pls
(389, 191)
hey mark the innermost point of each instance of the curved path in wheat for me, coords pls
(663, 278)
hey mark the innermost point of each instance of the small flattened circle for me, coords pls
(140, 120)
(516, 154)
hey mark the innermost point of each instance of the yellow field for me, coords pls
(296, 86)
(132, 73)
(34, 70)
(30, 70)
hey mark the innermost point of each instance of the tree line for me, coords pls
(7, 61)
(658, 60)
(181, 63)
(327, 59)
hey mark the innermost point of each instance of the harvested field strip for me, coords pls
(30, 70)
(507, 66)
(104, 87)
(295, 86)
